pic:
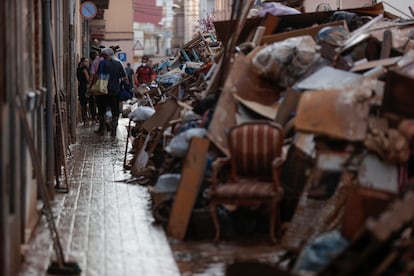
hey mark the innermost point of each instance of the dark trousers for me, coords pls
(92, 107)
(102, 102)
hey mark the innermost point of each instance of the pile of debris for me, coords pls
(332, 92)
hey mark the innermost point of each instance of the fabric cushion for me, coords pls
(252, 190)
(253, 147)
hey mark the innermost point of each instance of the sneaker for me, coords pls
(99, 131)
(113, 132)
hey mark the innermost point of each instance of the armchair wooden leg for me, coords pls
(215, 221)
(273, 220)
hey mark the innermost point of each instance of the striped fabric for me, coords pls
(252, 190)
(253, 147)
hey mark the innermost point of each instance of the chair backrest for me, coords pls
(253, 146)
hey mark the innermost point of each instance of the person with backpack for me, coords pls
(116, 73)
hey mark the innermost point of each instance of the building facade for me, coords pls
(147, 28)
(310, 6)
(41, 42)
(119, 18)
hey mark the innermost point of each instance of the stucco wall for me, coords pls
(310, 5)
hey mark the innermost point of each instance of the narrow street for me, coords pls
(256, 138)
(105, 224)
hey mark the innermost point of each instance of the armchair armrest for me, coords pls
(216, 166)
(276, 167)
(277, 162)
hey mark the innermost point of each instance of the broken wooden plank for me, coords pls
(287, 107)
(386, 44)
(312, 31)
(369, 202)
(374, 63)
(191, 177)
(398, 95)
(165, 113)
(267, 111)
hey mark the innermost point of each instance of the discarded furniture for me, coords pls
(364, 203)
(398, 96)
(382, 247)
(255, 159)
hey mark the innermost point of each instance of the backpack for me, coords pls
(125, 92)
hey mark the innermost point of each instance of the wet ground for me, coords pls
(207, 258)
(106, 226)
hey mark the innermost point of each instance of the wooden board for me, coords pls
(362, 203)
(398, 94)
(322, 112)
(374, 63)
(191, 178)
(308, 19)
(165, 113)
(263, 110)
(225, 29)
(312, 31)
(288, 106)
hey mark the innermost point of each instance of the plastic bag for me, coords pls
(333, 35)
(284, 62)
(167, 183)
(277, 9)
(319, 252)
(125, 92)
(353, 20)
(141, 113)
(178, 145)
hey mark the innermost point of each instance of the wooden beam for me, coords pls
(191, 178)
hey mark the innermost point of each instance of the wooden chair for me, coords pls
(255, 149)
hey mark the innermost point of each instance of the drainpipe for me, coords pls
(47, 61)
(87, 37)
(72, 62)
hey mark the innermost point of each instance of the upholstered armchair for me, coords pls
(255, 160)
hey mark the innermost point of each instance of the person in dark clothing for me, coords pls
(82, 74)
(116, 73)
(130, 73)
(91, 99)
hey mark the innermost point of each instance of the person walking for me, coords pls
(82, 74)
(130, 73)
(116, 74)
(93, 62)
